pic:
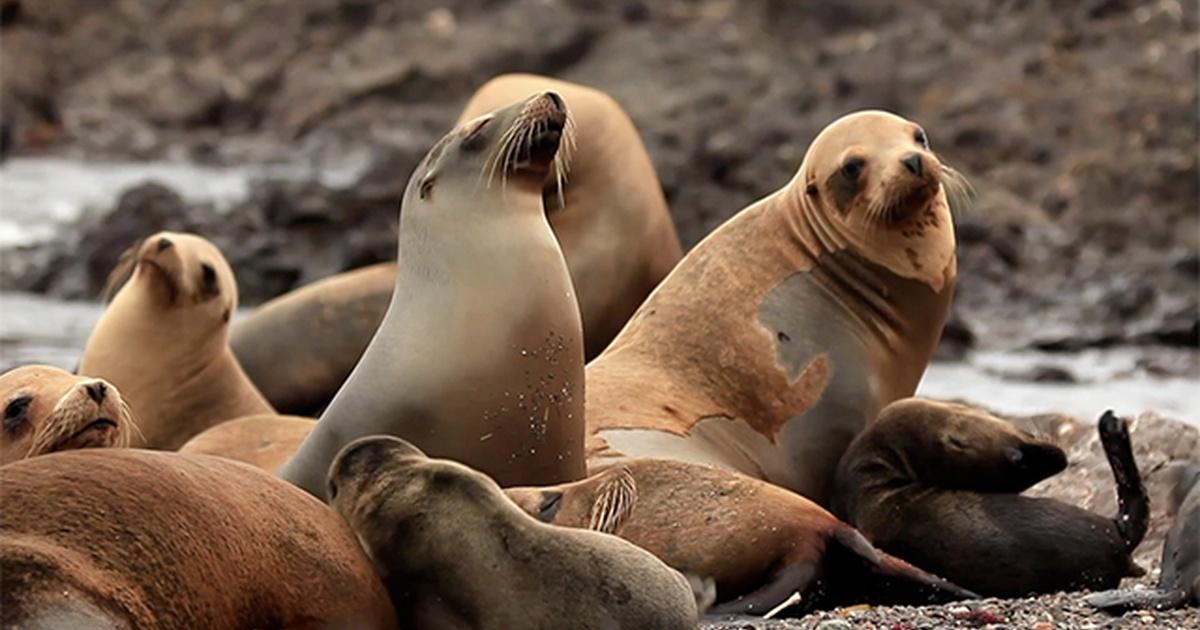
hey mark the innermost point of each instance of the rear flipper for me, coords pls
(860, 573)
(1133, 512)
(791, 579)
(1122, 600)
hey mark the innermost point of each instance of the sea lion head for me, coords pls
(178, 274)
(870, 181)
(518, 146)
(956, 446)
(47, 409)
(381, 483)
(601, 502)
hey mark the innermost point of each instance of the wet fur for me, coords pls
(939, 483)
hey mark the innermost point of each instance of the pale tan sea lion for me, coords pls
(782, 333)
(264, 441)
(454, 552)
(480, 357)
(939, 484)
(125, 538)
(615, 230)
(163, 340)
(47, 409)
(759, 542)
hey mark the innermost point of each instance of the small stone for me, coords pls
(1043, 625)
(834, 624)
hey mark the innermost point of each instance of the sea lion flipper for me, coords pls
(888, 579)
(1120, 600)
(1133, 513)
(614, 501)
(785, 583)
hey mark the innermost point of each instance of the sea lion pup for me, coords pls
(47, 409)
(163, 340)
(263, 441)
(454, 552)
(480, 356)
(784, 331)
(1179, 584)
(123, 538)
(610, 217)
(938, 484)
(761, 543)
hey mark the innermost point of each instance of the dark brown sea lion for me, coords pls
(610, 217)
(456, 553)
(480, 357)
(759, 542)
(779, 336)
(47, 409)
(122, 538)
(939, 484)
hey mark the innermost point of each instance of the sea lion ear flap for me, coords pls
(614, 501)
(122, 272)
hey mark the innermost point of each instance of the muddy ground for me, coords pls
(1077, 123)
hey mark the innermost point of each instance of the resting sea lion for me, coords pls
(163, 340)
(938, 484)
(122, 538)
(480, 356)
(454, 552)
(784, 331)
(759, 542)
(611, 219)
(1179, 584)
(264, 441)
(47, 409)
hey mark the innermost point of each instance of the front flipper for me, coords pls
(1133, 510)
(1118, 601)
(789, 580)
(858, 573)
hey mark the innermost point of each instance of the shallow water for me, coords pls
(36, 329)
(40, 196)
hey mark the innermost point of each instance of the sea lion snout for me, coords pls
(913, 163)
(96, 390)
(1037, 460)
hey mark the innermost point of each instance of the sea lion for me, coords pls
(264, 441)
(782, 333)
(454, 552)
(939, 484)
(611, 220)
(480, 356)
(47, 409)
(1179, 583)
(163, 340)
(124, 538)
(759, 542)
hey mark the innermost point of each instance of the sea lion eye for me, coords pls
(426, 188)
(14, 413)
(853, 168)
(209, 276)
(551, 501)
(919, 136)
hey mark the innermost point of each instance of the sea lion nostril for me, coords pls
(96, 391)
(556, 99)
(913, 163)
(164, 243)
(1014, 455)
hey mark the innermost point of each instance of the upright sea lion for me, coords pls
(610, 217)
(480, 356)
(939, 484)
(264, 441)
(163, 340)
(122, 538)
(1179, 583)
(759, 542)
(782, 333)
(455, 553)
(47, 409)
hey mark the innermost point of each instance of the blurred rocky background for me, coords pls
(1077, 123)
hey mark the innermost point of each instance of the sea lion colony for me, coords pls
(749, 444)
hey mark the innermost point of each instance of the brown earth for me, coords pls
(1077, 123)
